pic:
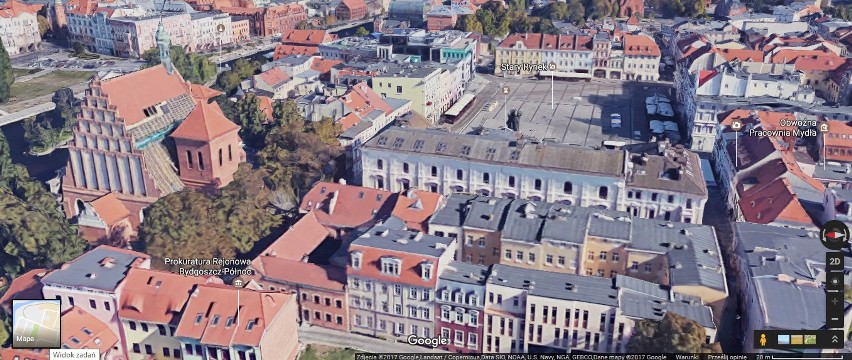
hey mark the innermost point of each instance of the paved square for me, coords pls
(579, 114)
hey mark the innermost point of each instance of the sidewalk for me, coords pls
(318, 335)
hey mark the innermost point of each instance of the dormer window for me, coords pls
(391, 266)
(426, 271)
(356, 259)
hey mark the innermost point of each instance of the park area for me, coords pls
(322, 352)
(47, 84)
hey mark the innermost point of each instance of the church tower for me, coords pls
(59, 21)
(208, 148)
(164, 45)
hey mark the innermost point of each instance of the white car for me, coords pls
(615, 120)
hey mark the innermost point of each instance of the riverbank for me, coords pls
(42, 168)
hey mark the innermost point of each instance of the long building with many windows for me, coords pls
(669, 186)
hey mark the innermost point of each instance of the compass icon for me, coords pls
(834, 234)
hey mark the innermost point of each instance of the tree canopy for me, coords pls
(6, 75)
(572, 11)
(193, 67)
(33, 231)
(229, 80)
(246, 113)
(195, 225)
(49, 129)
(361, 31)
(673, 334)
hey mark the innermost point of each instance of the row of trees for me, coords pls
(193, 67)
(45, 131)
(6, 75)
(35, 233)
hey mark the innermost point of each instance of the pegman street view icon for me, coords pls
(35, 324)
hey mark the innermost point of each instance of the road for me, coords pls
(323, 336)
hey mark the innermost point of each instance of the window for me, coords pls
(689, 203)
(486, 178)
(189, 159)
(671, 199)
(412, 293)
(149, 350)
(590, 255)
(356, 261)
(405, 168)
(144, 327)
(220, 157)
(316, 299)
(512, 181)
(519, 255)
(230, 158)
(634, 265)
(508, 254)
(106, 305)
(548, 259)
(499, 299)
(228, 323)
(567, 187)
(603, 192)
(198, 318)
(647, 267)
(434, 171)
(380, 164)
(531, 257)
(537, 184)
(399, 89)
(459, 174)
(200, 161)
(136, 348)
(602, 255)
(161, 329)
(390, 266)
(561, 261)
(93, 304)
(614, 257)
(397, 290)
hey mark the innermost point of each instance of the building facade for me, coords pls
(460, 305)
(19, 27)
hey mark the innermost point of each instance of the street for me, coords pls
(318, 335)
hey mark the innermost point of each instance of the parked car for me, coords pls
(615, 120)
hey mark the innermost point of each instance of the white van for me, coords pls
(615, 120)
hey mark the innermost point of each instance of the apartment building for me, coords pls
(392, 277)
(19, 27)
(558, 313)
(224, 322)
(418, 83)
(81, 330)
(95, 282)
(210, 31)
(641, 58)
(668, 186)
(568, 239)
(151, 311)
(460, 305)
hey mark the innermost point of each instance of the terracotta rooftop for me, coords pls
(324, 66)
(306, 37)
(110, 209)
(132, 93)
(266, 105)
(300, 240)
(349, 121)
(14, 8)
(741, 54)
(789, 56)
(282, 50)
(415, 207)
(346, 206)
(640, 45)
(202, 92)
(298, 272)
(548, 41)
(773, 202)
(25, 286)
(206, 122)
(354, 4)
(156, 296)
(819, 63)
(21, 354)
(210, 316)
(840, 134)
(81, 330)
(274, 77)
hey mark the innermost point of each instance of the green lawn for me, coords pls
(23, 72)
(320, 352)
(47, 84)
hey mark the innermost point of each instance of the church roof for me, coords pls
(206, 122)
(132, 93)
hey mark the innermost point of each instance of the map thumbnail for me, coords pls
(35, 323)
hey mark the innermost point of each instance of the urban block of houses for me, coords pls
(19, 27)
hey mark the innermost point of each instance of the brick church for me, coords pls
(141, 136)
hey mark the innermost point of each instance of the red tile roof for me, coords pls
(840, 134)
(408, 274)
(274, 77)
(789, 56)
(36, 354)
(819, 63)
(267, 106)
(414, 207)
(155, 296)
(354, 5)
(741, 54)
(206, 122)
(25, 286)
(349, 121)
(324, 66)
(705, 75)
(362, 100)
(306, 37)
(202, 92)
(87, 330)
(14, 8)
(282, 50)
(300, 240)
(133, 92)
(773, 202)
(110, 209)
(640, 45)
(218, 303)
(298, 272)
(548, 41)
(346, 206)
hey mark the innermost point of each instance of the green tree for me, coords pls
(469, 23)
(286, 114)
(694, 8)
(6, 75)
(34, 231)
(5, 329)
(79, 49)
(326, 130)
(361, 31)
(229, 80)
(43, 25)
(192, 67)
(673, 334)
(47, 130)
(251, 120)
(598, 9)
(192, 224)
(295, 159)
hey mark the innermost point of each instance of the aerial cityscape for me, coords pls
(335, 179)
